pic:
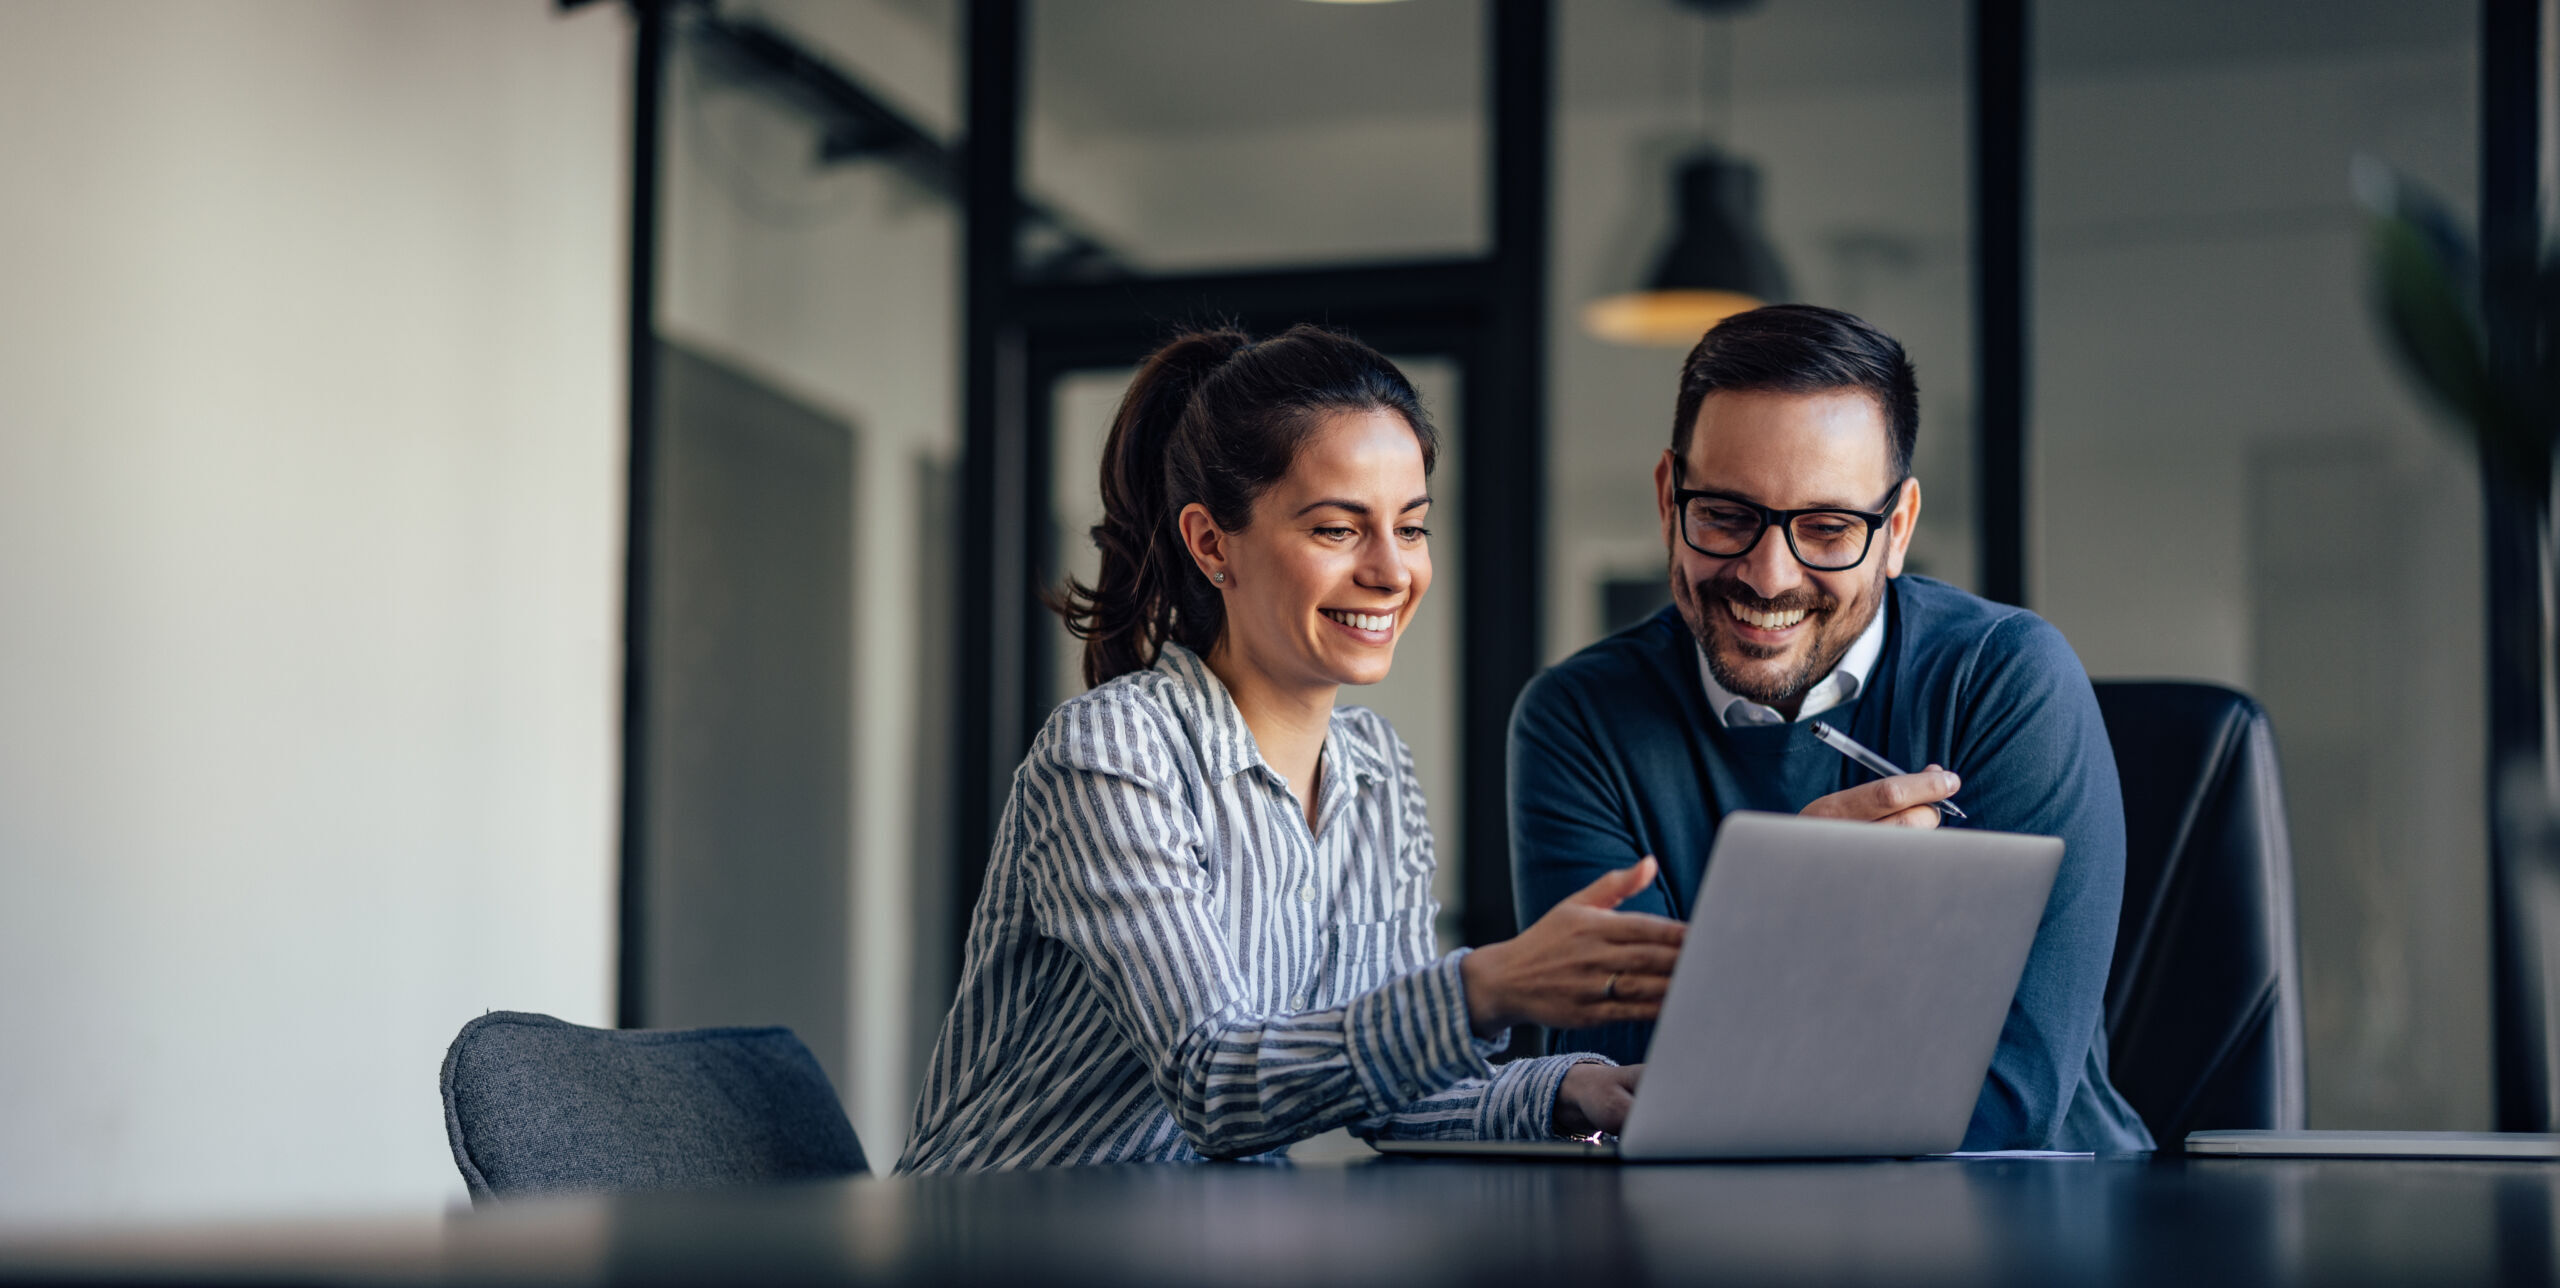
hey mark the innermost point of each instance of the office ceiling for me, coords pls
(2097, 34)
(1181, 65)
(1176, 66)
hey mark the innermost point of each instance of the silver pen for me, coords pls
(1848, 746)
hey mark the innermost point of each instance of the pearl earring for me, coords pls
(1218, 577)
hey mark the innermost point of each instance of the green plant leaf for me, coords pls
(2431, 323)
(2431, 288)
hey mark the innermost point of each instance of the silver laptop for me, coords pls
(1839, 994)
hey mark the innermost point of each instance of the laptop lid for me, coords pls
(1841, 989)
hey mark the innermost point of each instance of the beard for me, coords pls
(1835, 627)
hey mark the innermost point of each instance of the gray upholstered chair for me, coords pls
(535, 1105)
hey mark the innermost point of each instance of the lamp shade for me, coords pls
(1717, 264)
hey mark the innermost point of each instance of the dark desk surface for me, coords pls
(2260, 1221)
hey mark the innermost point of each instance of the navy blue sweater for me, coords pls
(1614, 756)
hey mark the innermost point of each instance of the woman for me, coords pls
(1207, 924)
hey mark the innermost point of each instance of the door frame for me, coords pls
(1485, 314)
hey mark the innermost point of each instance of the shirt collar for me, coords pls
(1843, 684)
(1226, 742)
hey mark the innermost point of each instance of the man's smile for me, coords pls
(1759, 629)
(1777, 622)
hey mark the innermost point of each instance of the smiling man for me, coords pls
(1787, 506)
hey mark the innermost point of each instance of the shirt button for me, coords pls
(1298, 1003)
(1306, 894)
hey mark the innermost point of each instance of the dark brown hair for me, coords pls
(1802, 349)
(1214, 417)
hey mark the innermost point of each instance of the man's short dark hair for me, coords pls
(1802, 349)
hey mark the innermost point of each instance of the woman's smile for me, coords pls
(1367, 628)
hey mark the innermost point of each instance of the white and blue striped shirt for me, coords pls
(1167, 965)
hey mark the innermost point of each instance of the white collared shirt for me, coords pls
(1830, 691)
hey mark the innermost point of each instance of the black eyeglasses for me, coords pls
(1823, 539)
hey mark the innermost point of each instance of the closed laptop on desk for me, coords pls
(1840, 993)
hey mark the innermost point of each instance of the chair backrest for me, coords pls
(536, 1105)
(2204, 1005)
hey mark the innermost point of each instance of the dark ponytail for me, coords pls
(1216, 418)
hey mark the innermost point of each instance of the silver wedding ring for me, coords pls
(1610, 992)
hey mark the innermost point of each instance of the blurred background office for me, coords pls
(395, 630)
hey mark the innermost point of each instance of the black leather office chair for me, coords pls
(2204, 1006)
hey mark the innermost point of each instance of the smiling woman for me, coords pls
(1207, 925)
(1215, 420)
(1316, 600)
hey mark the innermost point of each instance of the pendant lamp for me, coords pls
(1718, 263)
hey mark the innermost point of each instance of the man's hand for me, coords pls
(1595, 1097)
(1907, 800)
(1580, 966)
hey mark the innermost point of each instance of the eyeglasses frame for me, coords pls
(1784, 521)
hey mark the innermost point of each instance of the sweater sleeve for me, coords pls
(1569, 818)
(2033, 751)
(1571, 822)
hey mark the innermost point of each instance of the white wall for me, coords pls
(310, 490)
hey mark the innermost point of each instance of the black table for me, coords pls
(1410, 1222)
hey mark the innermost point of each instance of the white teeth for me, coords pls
(1362, 621)
(1765, 621)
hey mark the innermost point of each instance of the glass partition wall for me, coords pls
(1191, 137)
(2212, 417)
(1207, 142)
(2231, 480)
(799, 747)
(1262, 165)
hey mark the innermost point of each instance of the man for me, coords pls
(1787, 506)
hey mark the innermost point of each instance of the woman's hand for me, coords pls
(1595, 1097)
(1580, 966)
